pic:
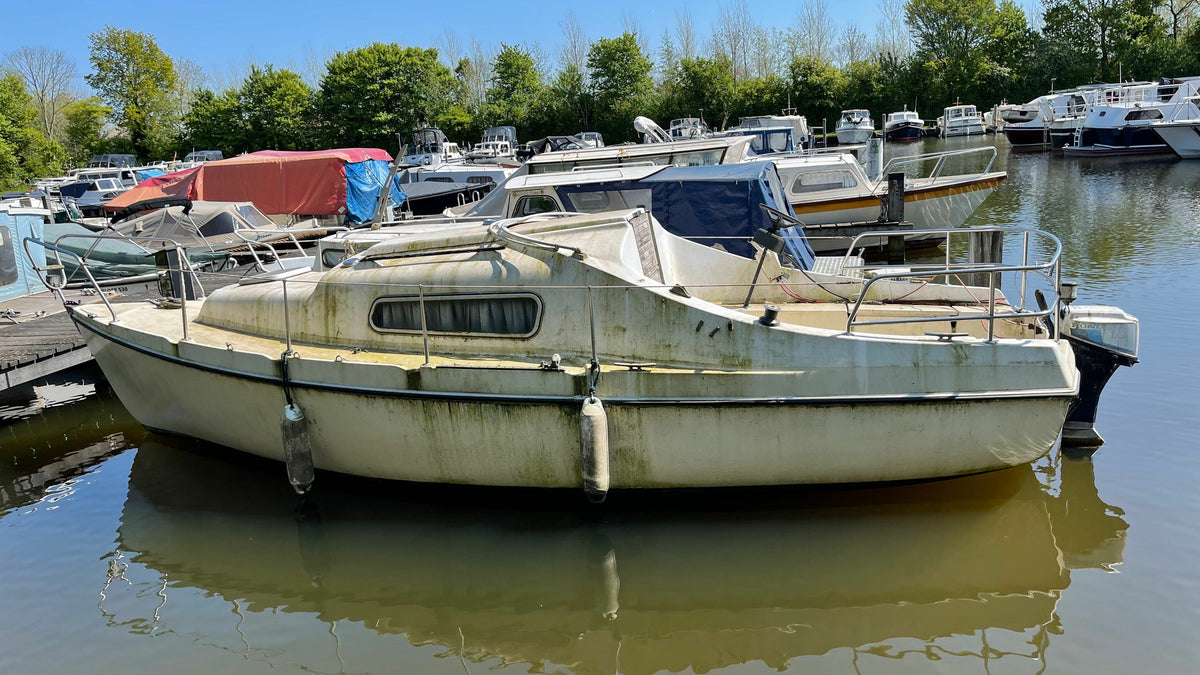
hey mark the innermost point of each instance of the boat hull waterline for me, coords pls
(365, 428)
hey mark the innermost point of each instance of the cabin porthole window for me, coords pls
(510, 315)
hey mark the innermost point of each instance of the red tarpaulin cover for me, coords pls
(277, 182)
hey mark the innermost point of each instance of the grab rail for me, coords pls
(185, 266)
(940, 162)
(499, 229)
(1051, 269)
(291, 234)
(57, 290)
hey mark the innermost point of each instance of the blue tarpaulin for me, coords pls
(17, 276)
(718, 204)
(363, 182)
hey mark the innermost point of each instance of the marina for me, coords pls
(156, 550)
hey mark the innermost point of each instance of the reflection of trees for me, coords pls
(54, 444)
(965, 568)
(1109, 213)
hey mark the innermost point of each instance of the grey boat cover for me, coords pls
(209, 225)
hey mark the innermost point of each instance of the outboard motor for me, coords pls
(1103, 339)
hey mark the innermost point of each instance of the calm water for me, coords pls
(124, 551)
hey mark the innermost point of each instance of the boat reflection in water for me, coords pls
(55, 430)
(964, 568)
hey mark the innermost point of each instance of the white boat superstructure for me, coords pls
(600, 351)
(687, 128)
(905, 125)
(786, 132)
(431, 147)
(827, 189)
(855, 126)
(1123, 120)
(498, 146)
(960, 120)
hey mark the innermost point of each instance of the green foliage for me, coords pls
(275, 107)
(136, 79)
(1103, 40)
(816, 88)
(370, 94)
(516, 84)
(619, 73)
(25, 153)
(84, 129)
(214, 123)
(702, 84)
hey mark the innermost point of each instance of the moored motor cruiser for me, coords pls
(601, 351)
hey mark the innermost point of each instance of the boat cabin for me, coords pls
(686, 128)
(430, 146)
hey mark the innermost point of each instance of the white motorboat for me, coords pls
(431, 147)
(855, 126)
(1182, 135)
(1122, 121)
(687, 128)
(787, 132)
(601, 351)
(498, 146)
(827, 189)
(100, 192)
(960, 120)
(905, 125)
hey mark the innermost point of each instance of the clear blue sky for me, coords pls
(223, 36)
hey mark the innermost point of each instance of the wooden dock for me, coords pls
(37, 339)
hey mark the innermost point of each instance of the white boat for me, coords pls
(100, 192)
(601, 351)
(905, 125)
(430, 147)
(828, 189)
(960, 120)
(687, 128)
(786, 132)
(498, 146)
(1122, 121)
(855, 126)
(1182, 135)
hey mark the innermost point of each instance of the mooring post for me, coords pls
(985, 248)
(894, 214)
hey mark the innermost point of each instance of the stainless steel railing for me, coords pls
(939, 160)
(1051, 270)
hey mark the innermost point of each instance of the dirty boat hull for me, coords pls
(440, 432)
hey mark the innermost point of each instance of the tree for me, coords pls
(813, 32)
(47, 74)
(515, 87)
(733, 36)
(25, 153)
(1105, 39)
(136, 79)
(852, 45)
(84, 128)
(370, 94)
(215, 122)
(275, 106)
(815, 85)
(976, 50)
(620, 80)
(701, 85)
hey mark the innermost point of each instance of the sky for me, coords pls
(225, 36)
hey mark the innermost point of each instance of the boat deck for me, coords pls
(38, 338)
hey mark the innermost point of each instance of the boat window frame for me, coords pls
(537, 319)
